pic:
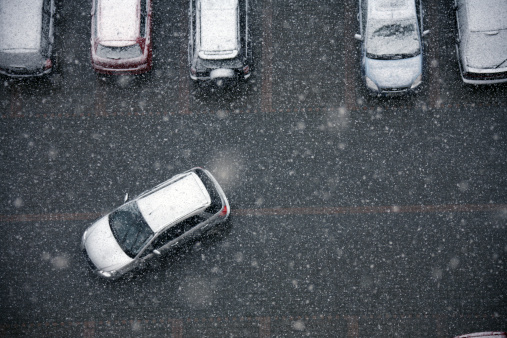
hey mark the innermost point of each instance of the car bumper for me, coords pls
(25, 75)
(483, 82)
(122, 71)
(238, 75)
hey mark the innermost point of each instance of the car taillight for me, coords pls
(193, 71)
(48, 64)
(224, 211)
(246, 69)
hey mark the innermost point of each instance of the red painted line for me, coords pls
(267, 57)
(16, 101)
(352, 326)
(184, 83)
(372, 209)
(288, 211)
(99, 100)
(106, 114)
(264, 327)
(49, 217)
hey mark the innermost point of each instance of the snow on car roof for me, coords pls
(392, 9)
(118, 22)
(20, 24)
(177, 200)
(219, 29)
(487, 15)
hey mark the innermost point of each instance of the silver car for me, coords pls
(482, 40)
(165, 217)
(26, 37)
(391, 32)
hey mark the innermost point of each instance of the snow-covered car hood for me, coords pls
(486, 50)
(102, 248)
(393, 73)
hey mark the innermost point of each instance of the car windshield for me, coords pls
(130, 229)
(388, 40)
(124, 52)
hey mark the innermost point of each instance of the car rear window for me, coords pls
(216, 201)
(126, 52)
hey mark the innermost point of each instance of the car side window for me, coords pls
(144, 14)
(177, 230)
(364, 5)
(46, 21)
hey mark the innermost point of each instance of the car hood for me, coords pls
(27, 60)
(394, 73)
(102, 248)
(485, 50)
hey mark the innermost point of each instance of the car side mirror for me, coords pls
(156, 252)
(126, 198)
(426, 32)
(358, 37)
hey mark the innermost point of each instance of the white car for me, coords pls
(496, 334)
(481, 43)
(184, 207)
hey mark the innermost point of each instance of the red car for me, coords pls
(121, 36)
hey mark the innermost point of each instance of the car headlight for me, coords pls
(106, 274)
(83, 239)
(370, 84)
(417, 82)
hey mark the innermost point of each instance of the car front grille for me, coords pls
(485, 76)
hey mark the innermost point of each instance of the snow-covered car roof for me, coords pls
(20, 25)
(118, 22)
(392, 10)
(219, 29)
(186, 195)
(487, 15)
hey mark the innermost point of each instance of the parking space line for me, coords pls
(394, 209)
(184, 78)
(267, 57)
(432, 57)
(352, 326)
(99, 98)
(177, 328)
(264, 327)
(16, 101)
(92, 328)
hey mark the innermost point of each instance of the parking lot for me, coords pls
(352, 215)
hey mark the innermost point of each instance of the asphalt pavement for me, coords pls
(352, 216)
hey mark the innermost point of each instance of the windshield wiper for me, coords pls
(501, 63)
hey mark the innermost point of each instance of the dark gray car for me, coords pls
(220, 46)
(26, 37)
